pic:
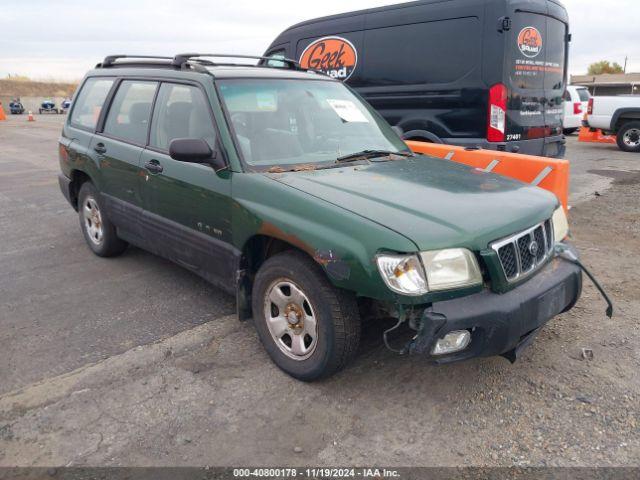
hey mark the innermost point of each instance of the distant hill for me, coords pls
(28, 88)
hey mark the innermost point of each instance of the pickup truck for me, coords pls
(619, 116)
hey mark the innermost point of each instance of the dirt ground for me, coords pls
(134, 361)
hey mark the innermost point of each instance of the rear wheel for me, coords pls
(628, 137)
(569, 131)
(309, 328)
(99, 233)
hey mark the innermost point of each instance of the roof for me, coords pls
(193, 66)
(265, 72)
(385, 8)
(220, 72)
(606, 79)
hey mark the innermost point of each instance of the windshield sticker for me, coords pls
(347, 111)
(335, 56)
(530, 42)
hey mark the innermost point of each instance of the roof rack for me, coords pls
(182, 59)
(111, 59)
(195, 61)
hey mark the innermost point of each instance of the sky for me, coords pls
(62, 39)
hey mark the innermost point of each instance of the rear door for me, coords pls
(117, 148)
(536, 64)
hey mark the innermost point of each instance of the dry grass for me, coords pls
(19, 87)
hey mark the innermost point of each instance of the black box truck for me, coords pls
(477, 73)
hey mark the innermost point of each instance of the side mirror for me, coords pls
(194, 150)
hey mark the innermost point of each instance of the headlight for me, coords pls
(560, 225)
(443, 270)
(403, 274)
(451, 268)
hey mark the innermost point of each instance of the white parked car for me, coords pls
(576, 100)
(618, 116)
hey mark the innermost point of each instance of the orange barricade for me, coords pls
(548, 173)
(2, 114)
(594, 135)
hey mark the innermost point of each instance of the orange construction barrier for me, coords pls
(594, 135)
(549, 173)
(30, 117)
(3, 116)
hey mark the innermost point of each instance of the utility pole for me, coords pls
(625, 64)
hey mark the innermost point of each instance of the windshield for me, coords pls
(287, 122)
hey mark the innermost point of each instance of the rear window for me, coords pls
(538, 52)
(555, 54)
(89, 103)
(584, 94)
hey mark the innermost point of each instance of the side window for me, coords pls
(128, 117)
(391, 52)
(275, 55)
(181, 111)
(88, 104)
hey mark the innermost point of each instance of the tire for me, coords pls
(102, 239)
(334, 311)
(569, 131)
(628, 137)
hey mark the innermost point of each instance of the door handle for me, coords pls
(154, 166)
(100, 148)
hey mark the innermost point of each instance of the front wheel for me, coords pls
(99, 233)
(628, 137)
(309, 328)
(569, 131)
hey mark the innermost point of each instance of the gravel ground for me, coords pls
(196, 388)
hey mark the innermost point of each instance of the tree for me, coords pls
(604, 66)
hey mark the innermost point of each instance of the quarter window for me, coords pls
(181, 112)
(129, 114)
(89, 103)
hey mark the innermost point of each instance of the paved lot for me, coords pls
(134, 361)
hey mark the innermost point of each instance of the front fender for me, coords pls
(342, 243)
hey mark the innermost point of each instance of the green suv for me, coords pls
(284, 187)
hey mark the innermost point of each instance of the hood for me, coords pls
(435, 203)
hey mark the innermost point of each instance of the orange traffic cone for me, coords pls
(30, 117)
(2, 114)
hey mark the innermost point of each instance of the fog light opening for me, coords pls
(452, 342)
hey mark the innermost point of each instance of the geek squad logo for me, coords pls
(335, 56)
(530, 42)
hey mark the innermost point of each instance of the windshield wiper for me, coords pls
(366, 154)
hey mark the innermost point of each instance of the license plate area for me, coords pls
(551, 303)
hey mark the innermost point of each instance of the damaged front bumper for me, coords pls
(500, 324)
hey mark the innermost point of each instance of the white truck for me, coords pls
(618, 116)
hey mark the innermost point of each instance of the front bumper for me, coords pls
(501, 324)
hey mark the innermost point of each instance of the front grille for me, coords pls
(523, 253)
